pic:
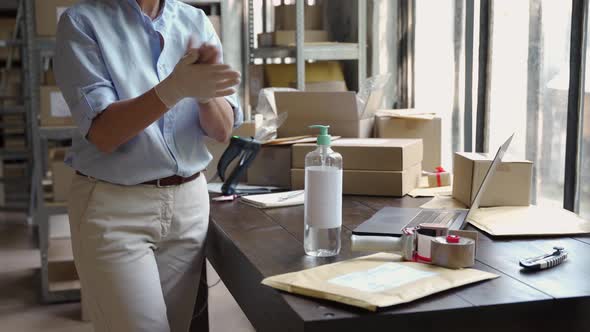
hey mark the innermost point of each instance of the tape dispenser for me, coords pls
(426, 243)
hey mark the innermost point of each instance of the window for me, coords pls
(528, 89)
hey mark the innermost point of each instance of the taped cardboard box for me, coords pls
(328, 86)
(510, 185)
(54, 110)
(396, 124)
(286, 17)
(339, 110)
(369, 154)
(287, 37)
(47, 14)
(370, 183)
(61, 174)
(272, 167)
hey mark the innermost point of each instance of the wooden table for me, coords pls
(246, 244)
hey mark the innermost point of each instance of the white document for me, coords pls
(380, 278)
(215, 187)
(58, 106)
(275, 200)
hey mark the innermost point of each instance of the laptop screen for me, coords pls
(487, 178)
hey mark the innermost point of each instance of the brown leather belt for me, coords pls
(174, 180)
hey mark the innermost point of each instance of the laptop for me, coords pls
(390, 221)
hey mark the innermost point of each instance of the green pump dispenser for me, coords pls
(323, 138)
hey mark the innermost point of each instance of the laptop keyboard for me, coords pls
(433, 217)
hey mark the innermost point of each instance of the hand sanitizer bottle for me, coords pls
(323, 198)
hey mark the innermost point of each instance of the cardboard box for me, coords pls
(371, 183)
(216, 149)
(7, 26)
(510, 186)
(272, 167)
(369, 154)
(47, 14)
(287, 38)
(339, 110)
(286, 17)
(61, 174)
(54, 110)
(328, 86)
(390, 126)
(283, 75)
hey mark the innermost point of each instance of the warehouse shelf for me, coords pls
(201, 2)
(12, 110)
(323, 51)
(8, 5)
(57, 133)
(14, 154)
(10, 43)
(302, 51)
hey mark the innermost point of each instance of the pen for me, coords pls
(286, 197)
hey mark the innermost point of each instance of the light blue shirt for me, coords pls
(109, 50)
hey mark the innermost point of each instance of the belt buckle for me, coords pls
(161, 186)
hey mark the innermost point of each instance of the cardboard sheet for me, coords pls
(375, 281)
(444, 202)
(528, 221)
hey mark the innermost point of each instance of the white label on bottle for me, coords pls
(323, 196)
(58, 106)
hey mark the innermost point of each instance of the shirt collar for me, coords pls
(163, 9)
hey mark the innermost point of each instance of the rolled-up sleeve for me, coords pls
(81, 73)
(233, 99)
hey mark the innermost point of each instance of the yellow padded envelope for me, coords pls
(528, 220)
(375, 281)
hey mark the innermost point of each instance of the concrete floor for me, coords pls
(20, 309)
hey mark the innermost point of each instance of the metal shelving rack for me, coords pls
(303, 52)
(16, 199)
(44, 211)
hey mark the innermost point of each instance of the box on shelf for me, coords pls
(247, 129)
(54, 110)
(369, 154)
(61, 174)
(283, 75)
(49, 77)
(47, 14)
(7, 26)
(287, 38)
(371, 183)
(410, 124)
(286, 17)
(339, 110)
(272, 167)
(510, 185)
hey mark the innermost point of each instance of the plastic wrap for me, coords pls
(268, 109)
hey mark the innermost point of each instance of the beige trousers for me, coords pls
(139, 251)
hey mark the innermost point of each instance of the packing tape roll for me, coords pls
(376, 243)
(453, 255)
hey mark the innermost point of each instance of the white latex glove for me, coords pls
(200, 81)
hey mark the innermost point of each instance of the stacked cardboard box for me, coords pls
(510, 185)
(47, 14)
(7, 26)
(376, 167)
(286, 24)
(413, 124)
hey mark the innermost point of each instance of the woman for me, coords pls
(143, 97)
